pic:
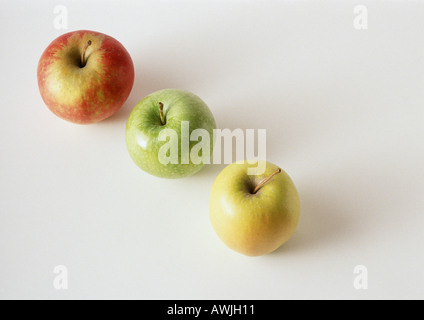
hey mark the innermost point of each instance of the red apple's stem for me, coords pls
(83, 53)
(161, 113)
(266, 180)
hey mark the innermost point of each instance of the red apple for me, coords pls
(85, 76)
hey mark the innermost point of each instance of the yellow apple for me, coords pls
(254, 214)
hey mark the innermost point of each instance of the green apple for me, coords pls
(163, 130)
(254, 214)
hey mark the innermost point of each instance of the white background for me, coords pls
(343, 109)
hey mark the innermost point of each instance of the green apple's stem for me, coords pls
(83, 53)
(161, 113)
(266, 180)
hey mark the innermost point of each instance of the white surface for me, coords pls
(344, 116)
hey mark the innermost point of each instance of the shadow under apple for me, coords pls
(321, 223)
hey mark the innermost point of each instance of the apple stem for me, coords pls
(83, 53)
(161, 113)
(266, 180)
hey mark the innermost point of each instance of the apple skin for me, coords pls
(144, 125)
(253, 224)
(90, 93)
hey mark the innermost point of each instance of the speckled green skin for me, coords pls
(144, 125)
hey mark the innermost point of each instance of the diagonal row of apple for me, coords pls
(86, 76)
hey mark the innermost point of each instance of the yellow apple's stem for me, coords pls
(266, 180)
(83, 53)
(161, 113)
